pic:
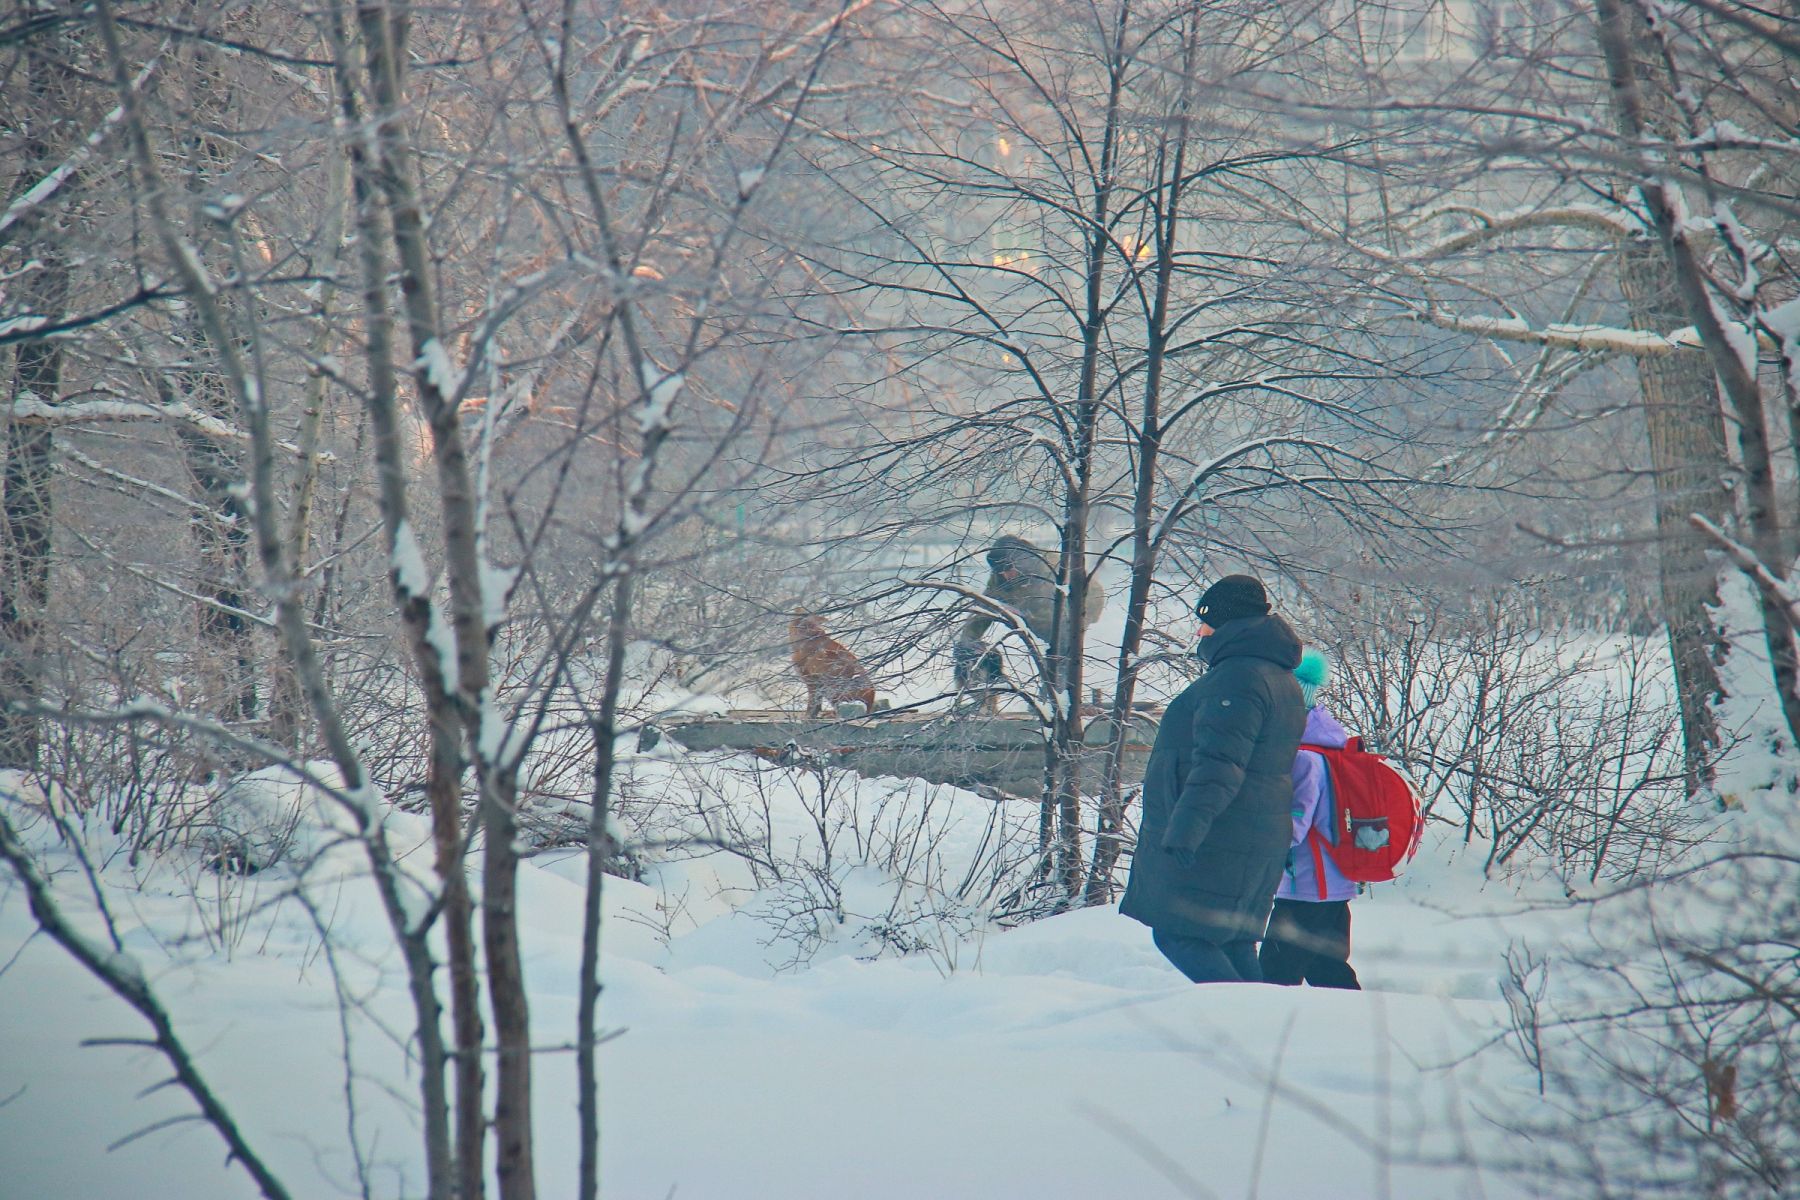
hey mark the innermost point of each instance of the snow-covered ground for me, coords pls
(1061, 1058)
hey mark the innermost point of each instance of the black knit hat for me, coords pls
(1232, 597)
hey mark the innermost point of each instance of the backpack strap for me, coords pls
(1314, 837)
(1316, 840)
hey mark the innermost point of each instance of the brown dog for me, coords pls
(830, 672)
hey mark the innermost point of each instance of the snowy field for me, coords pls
(1061, 1058)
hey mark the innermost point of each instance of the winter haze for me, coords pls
(606, 598)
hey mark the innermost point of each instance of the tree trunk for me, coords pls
(25, 541)
(443, 789)
(599, 850)
(1069, 626)
(1686, 429)
(1625, 41)
(287, 703)
(1110, 827)
(384, 32)
(25, 552)
(1689, 465)
(447, 1169)
(227, 635)
(513, 1167)
(1065, 733)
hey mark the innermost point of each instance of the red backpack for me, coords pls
(1376, 820)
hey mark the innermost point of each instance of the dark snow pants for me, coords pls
(1210, 962)
(1309, 940)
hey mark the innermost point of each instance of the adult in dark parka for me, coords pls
(1218, 791)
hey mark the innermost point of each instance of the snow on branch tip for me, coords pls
(660, 392)
(440, 373)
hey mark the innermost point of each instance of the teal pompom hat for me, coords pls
(1313, 671)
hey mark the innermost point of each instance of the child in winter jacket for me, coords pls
(1309, 931)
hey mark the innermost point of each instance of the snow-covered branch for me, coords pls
(1777, 591)
(1585, 339)
(26, 409)
(1614, 224)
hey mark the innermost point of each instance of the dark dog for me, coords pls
(830, 672)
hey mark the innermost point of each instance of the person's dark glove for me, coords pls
(976, 664)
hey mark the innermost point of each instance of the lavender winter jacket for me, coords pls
(1313, 807)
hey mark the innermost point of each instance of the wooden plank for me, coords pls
(942, 731)
(1004, 752)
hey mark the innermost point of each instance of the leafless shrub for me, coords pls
(1565, 753)
(826, 858)
(1668, 1045)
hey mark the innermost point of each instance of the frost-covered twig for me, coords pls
(1184, 500)
(1047, 705)
(1617, 224)
(26, 409)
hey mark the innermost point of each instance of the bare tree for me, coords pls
(1729, 314)
(514, 402)
(1603, 146)
(1675, 1027)
(1100, 333)
(37, 378)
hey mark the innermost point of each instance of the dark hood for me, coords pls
(1253, 637)
(1017, 554)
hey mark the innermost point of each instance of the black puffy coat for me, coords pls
(1218, 790)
